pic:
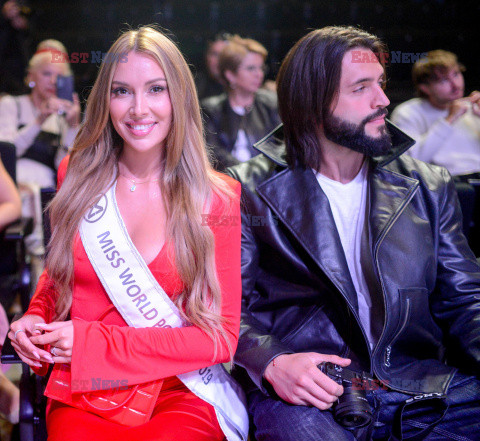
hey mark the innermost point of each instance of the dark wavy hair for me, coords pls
(308, 83)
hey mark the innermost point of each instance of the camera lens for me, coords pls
(352, 409)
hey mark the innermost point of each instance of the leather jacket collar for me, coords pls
(273, 146)
(300, 204)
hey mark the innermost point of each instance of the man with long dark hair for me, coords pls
(361, 298)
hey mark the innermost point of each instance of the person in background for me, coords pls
(15, 39)
(210, 82)
(245, 113)
(10, 205)
(42, 127)
(139, 172)
(444, 123)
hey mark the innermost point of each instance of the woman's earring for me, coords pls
(32, 84)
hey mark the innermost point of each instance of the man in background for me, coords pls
(444, 123)
(210, 82)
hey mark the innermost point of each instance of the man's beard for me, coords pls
(353, 136)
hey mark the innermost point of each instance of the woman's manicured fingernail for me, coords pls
(35, 353)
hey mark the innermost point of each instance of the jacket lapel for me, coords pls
(298, 200)
(389, 194)
(300, 204)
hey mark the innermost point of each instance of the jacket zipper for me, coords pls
(388, 349)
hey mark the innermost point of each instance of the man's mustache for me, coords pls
(378, 113)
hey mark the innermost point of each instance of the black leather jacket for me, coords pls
(298, 295)
(222, 124)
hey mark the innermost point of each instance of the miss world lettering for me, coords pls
(126, 277)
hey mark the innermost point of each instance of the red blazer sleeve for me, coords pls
(145, 354)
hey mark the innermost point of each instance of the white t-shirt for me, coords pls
(240, 149)
(454, 146)
(348, 203)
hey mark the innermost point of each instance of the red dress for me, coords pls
(112, 350)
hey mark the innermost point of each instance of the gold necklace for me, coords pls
(135, 183)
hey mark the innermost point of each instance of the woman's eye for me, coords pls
(359, 89)
(119, 91)
(157, 89)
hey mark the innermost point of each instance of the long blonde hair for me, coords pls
(187, 182)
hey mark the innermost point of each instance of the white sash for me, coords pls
(142, 302)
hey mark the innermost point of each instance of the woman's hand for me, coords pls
(59, 335)
(20, 333)
(47, 107)
(72, 112)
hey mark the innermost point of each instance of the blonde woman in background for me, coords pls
(42, 127)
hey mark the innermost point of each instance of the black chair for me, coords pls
(32, 426)
(15, 279)
(15, 274)
(474, 236)
(466, 196)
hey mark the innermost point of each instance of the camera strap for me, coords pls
(433, 401)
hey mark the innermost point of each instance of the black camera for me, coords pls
(352, 409)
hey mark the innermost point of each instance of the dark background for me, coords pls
(410, 26)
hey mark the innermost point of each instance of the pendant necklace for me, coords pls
(135, 183)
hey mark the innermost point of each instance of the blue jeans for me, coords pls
(275, 420)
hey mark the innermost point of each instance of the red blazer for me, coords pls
(111, 350)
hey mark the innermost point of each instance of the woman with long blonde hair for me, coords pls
(139, 160)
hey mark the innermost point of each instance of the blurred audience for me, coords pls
(242, 115)
(209, 82)
(14, 45)
(42, 127)
(444, 123)
(10, 206)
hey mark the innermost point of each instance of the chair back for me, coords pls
(9, 158)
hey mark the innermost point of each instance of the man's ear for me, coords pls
(230, 76)
(425, 89)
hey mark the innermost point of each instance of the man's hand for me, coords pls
(297, 379)
(459, 107)
(475, 99)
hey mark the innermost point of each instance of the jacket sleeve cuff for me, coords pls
(256, 361)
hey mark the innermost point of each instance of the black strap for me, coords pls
(44, 147)
(435, 401)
